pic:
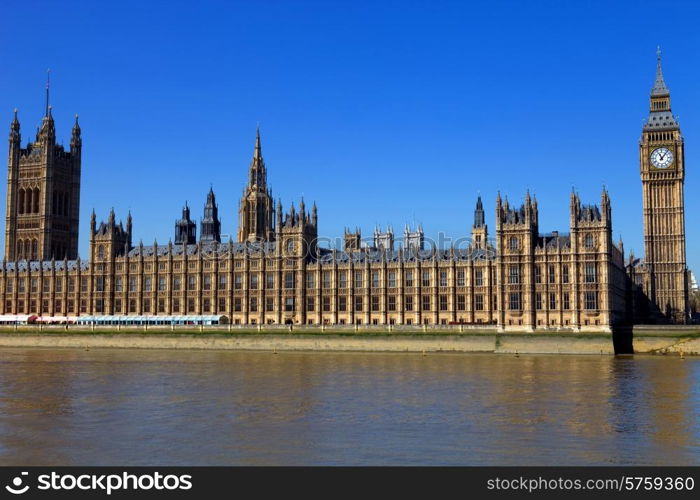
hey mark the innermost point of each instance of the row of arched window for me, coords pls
(28, 249)
(28, 202)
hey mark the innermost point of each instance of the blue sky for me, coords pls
(381, 112)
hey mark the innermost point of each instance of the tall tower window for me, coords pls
(590, 273)
(35, 206)
(514, 274)
(20, 201)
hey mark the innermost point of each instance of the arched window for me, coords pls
(588, 241)
(36, 200)
(20, 204)
(100, 252)
(28, 201)
(27, 249)
(513, 244)
(35, 250)
(20, 250)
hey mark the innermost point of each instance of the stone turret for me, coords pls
(384, 240)
(413, 239)
(211, 225)
(352, 240)
(109, 240)
(185, 228)
(479, 228)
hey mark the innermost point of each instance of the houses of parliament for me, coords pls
(516, 278)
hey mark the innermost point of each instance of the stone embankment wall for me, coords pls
(684, 340)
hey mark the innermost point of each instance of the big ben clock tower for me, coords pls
(662, 168)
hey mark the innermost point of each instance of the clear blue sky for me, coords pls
(382, 112)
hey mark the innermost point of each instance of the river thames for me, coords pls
(159, 407)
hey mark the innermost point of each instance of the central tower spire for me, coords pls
(256, 209)
(257, 173)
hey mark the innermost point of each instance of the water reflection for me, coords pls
(113, 407)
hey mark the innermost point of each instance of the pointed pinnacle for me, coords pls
(659, 87)
(258, 147)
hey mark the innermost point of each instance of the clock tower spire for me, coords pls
(662, 169)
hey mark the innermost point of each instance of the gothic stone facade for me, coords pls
(43, 195)
(276, 273)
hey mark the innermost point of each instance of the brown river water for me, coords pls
(186, 407)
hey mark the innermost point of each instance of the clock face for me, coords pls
(661, 158)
